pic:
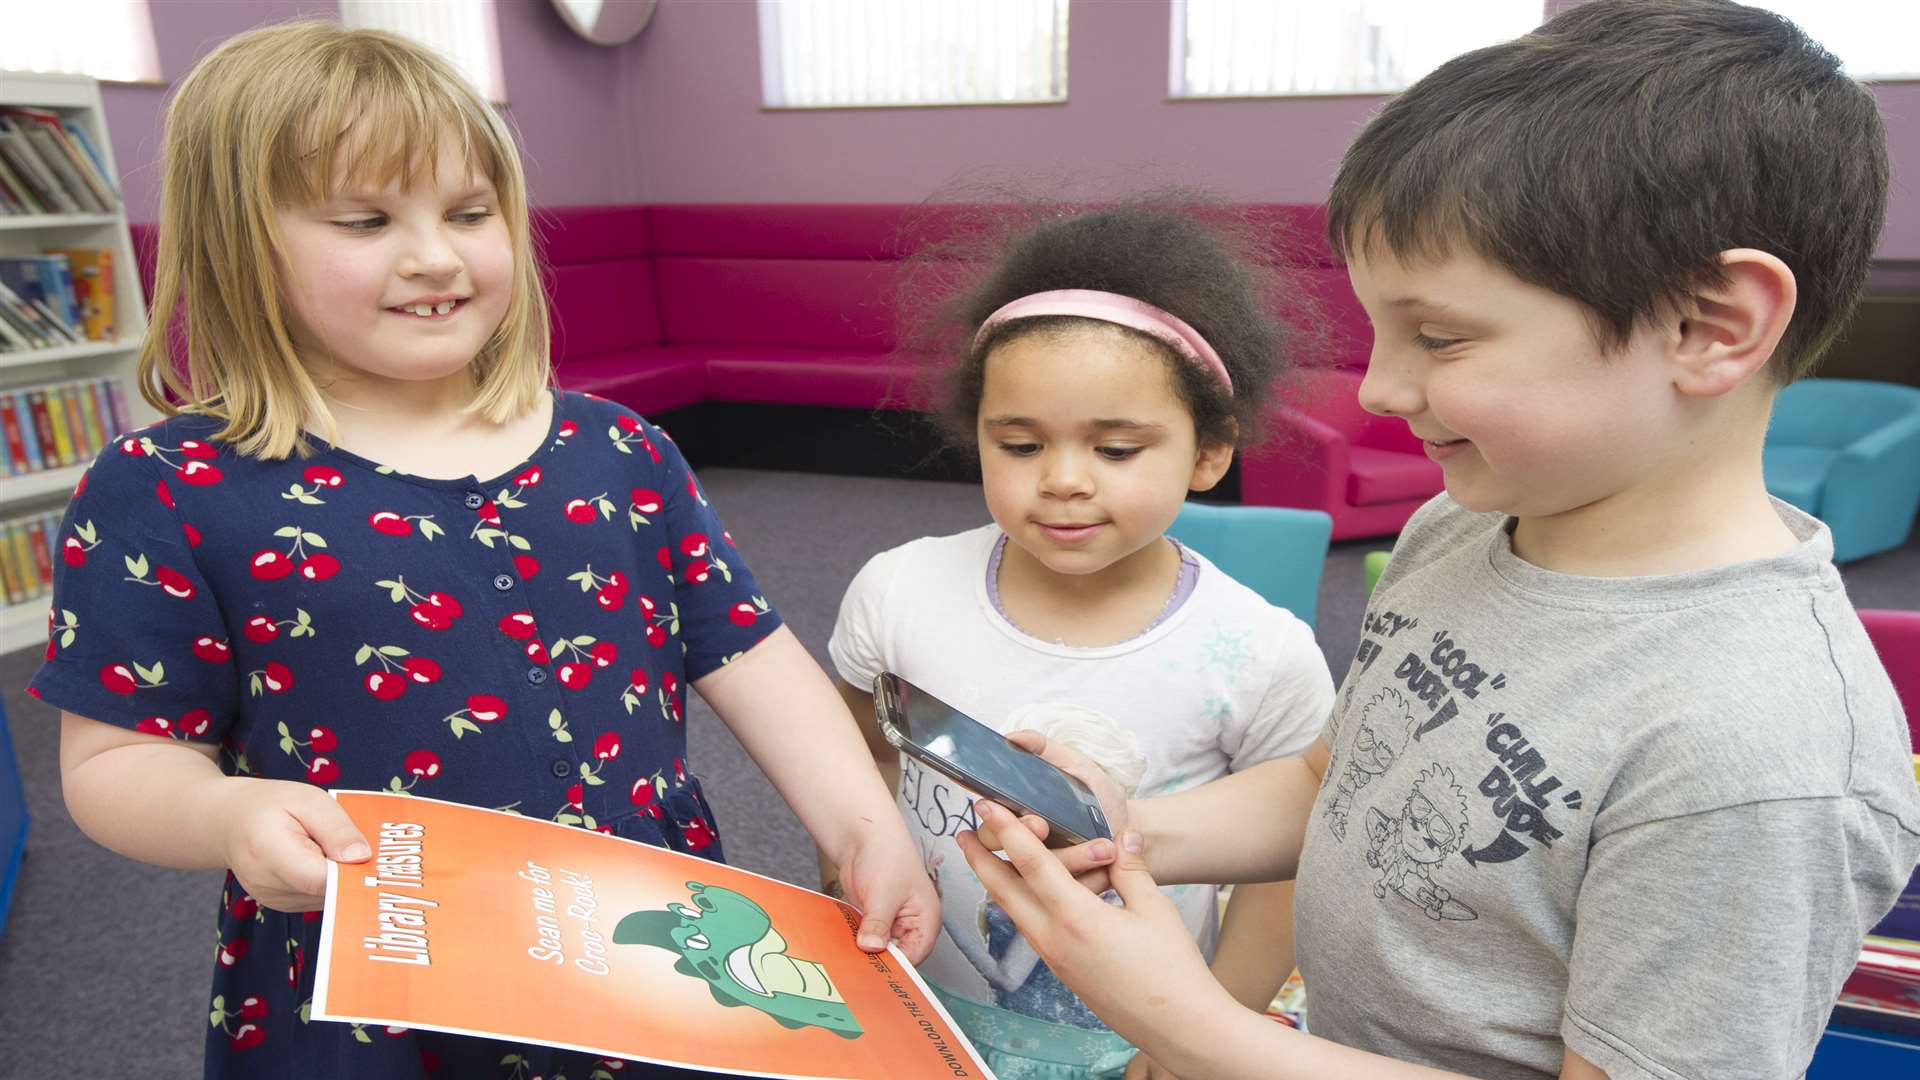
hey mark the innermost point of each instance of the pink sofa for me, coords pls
(664, 306)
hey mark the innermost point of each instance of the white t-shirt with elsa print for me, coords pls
(1221, 682)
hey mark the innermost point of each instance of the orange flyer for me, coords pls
(487, 923)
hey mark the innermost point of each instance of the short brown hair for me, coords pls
(1612, 155)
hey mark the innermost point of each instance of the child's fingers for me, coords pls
(330, 827)
(1129, 875)
(1039, 868)
(1002, 882)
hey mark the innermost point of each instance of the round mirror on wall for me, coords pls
(605, 22)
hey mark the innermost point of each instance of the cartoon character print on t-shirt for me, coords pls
(1403, 769)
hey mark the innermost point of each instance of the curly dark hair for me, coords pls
(1209, 264)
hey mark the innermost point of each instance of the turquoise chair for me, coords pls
(1847, 451)
(1276, 551)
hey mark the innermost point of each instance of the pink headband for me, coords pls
(1119, 310)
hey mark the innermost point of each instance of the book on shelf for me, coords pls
(46, 282)
(90, 272)
(47, 427)
(47, 196)
(69, 177)
(1883, 993)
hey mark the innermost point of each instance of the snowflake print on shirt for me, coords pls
(333, 621)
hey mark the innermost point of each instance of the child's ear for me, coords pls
(1210, 464)
(1729, 331)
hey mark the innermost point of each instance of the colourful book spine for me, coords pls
(9, 570)
(17, 460)
(23, 415)
(50, 523)
(122, 419)
(63, 448)
(83, 449)
(92, 272)
(43, 429)
(93, 410)
(42, 549)
(30, 579)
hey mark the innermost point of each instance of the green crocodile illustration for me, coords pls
(732, 944)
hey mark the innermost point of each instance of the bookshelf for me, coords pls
(76, 100)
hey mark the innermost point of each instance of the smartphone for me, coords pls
(979, 758)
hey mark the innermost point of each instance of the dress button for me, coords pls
(503, 582)
(475, 500)
(561, 768)
(537, 676)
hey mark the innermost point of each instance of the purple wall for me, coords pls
(576, 127)
(695, 74)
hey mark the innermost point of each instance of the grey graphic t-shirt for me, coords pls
(1647, 818)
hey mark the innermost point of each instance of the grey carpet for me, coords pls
(104, 962)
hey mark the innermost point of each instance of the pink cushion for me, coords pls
(817, 303)
(839, 378)
(601, 307)
(1896, 637)
(1384, 476)
(805, 230)
(647, 380)
(576, 234)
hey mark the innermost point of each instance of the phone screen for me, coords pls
(980, 758)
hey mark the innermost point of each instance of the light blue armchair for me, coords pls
(1847, 451)
(1278, 552)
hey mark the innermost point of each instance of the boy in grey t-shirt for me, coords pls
(1615, 784)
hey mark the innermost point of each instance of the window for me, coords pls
(1874, 39)
(850, 53)
(107, 39)
(1265, 48)
(462, 31)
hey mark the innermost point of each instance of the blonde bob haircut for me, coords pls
(281, 117)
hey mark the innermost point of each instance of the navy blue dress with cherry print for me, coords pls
(522, 643)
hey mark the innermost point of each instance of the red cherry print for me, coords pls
(232, 951)
(193, 534)
(261, 629)
(166, 495)
(323, 476)
(423, 763)
(243, 906)
(174, 583)
(197, 450)
(385, 685)
(609, 598)
(323, 771)
(642, 792)
(603, 653)
(247, 1036)
(679, 767)
(270, 565)
(656, 636)
(253, 1008)
(743, 614)
(72, 553)
(526, 566)
(646, 500)
(537, 652)
(429, 616)
(445, 603)
(489, 513)
(627, 424)
(132, 448)
(518, 626)
(388, 523)
(698, 571)
(568, 430)
(617, 580)
(200, 473)
(693, 544)
(154, 725)
(278, 679)
(647, 606)
(211, 649)
(575, 795)
(697, 835)
(117, 678)
(529, 476)
(666, 558)
(637, 679)
(579, 511)
(486, 708)
(607, 746)
(319, 566)
(421, 670)
(322, 739)
(195, 722)
(575, 676)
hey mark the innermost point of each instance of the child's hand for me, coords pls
(1086, 862)
(1143, 1067)
(885, 879)
(279, 836)
(1136, 966)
